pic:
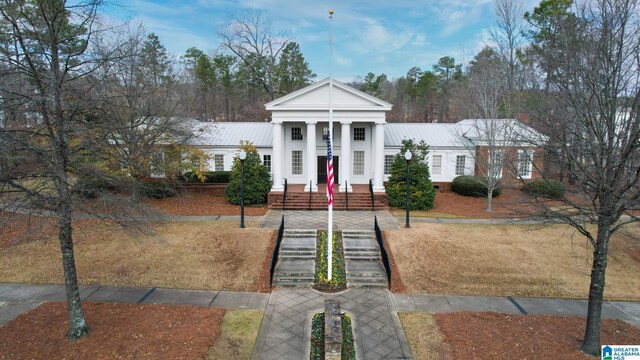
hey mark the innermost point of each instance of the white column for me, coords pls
(378, 159)
(312, 158)
(345, 155)
(277, 160)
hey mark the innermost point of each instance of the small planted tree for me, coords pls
(256, 178)
(421, 192)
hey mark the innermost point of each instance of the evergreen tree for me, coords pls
(256, 178)
(421, 191)
(293, 69)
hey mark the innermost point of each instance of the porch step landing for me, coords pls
(296, 259)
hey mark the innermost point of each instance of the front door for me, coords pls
(322, 169)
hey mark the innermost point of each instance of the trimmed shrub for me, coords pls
(211, 177)
(158, 190)
(257, 180)
(467, 185)
(550, 188)
(92, 187)
(421, 191)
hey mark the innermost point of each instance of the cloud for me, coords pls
(343, 61)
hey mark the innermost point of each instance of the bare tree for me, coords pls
(250, 38)
(590, 54)
(489, 136)
(507, 35)
(52, 40)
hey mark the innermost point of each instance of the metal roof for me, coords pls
(231, 133)
(443, 135)
(434, 134)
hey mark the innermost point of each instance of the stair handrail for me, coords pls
(284, 194)
(383, 251)
(373, 203)
(276, 251)
(346, 195)
(310, 189)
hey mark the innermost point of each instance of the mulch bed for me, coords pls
(512, 203)
(117, 331)
(193, 203)
(506, 336)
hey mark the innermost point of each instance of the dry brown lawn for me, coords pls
(215, 255)
(505, 260)
(423, 335)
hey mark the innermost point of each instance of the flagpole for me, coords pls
(330, 212)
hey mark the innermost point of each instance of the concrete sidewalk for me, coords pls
(18, 298)
(624, 310)
(285, 329)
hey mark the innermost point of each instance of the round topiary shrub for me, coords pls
(468, 185)
(257, 180)
(550, 188)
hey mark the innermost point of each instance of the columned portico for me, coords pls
(277, 160)
(378, 158)
(300, 126)
(312, 170)
(345, 154)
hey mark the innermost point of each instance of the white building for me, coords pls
(293, 145)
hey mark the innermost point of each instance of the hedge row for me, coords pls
(211, 177)
(553, 189)
(473, 186)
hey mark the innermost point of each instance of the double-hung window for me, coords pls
(358, 162)
(460, 164)
(219, 160)
(525, 163)
(266, 161)
(388, 162)
(436, 165)
(296, 162)
(296, 133)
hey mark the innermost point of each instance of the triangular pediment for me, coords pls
(316, 97)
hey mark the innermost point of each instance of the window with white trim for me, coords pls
(358, 162)
(525, 163)
(436, 165)
(388, 162)
(325, 133)
(358, 134)
(296, 133)
(460, 164)
(157, 164)
(495, 163)
(296, 162)
(219, 160)
(266, 161)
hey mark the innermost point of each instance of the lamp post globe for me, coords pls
(242, 155)
(407, 156)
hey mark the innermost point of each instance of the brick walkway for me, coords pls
(286, 328)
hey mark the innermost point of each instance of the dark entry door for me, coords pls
(322, 169)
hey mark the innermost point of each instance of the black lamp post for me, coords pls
(407, 156)
(242, 156)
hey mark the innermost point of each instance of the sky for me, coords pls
(376, 36)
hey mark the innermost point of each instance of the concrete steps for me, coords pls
(296, 260)
(362, 259)
(300, 201)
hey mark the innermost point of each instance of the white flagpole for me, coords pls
(330, 220)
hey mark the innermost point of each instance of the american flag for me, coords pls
(329, 171)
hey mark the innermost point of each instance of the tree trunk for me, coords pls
(591, 343)
(489, 200)
(77, 324)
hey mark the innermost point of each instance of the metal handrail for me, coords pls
(373, 203)
(383, 251)
(346, 195)
(284, 194)
(276, 251)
